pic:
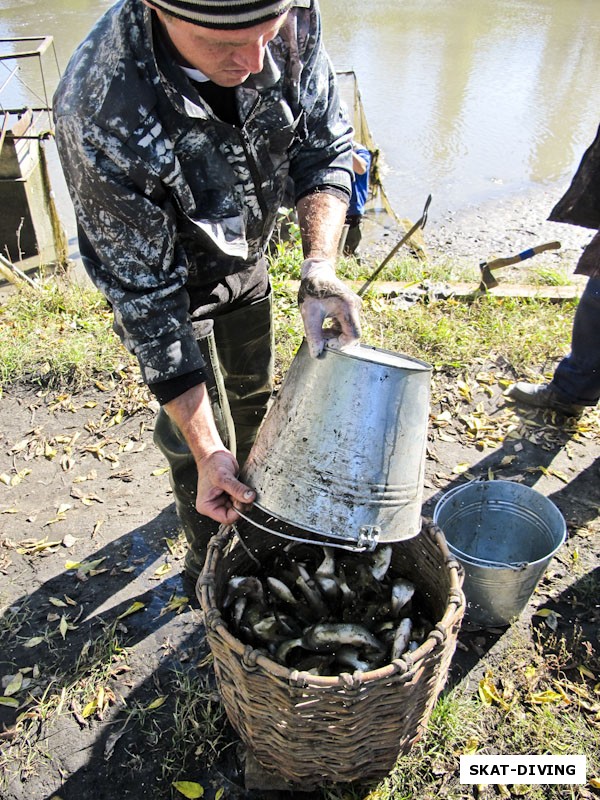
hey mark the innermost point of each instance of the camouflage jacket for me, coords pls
(580, 205)
(173, 205)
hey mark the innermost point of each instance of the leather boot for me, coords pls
(541, 395)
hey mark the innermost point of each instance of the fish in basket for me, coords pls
(329, 669)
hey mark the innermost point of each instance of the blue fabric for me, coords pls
(360, 186)
(577, 377)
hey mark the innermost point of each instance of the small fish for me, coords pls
(385, 631)
(269, 629)
(288, 625)
(327, 567)
(402, 592)
(348, 596)
(373, 613)
(281, 591)
(328, 586)
(401, 638)
(302, 572)
(243, 586)
(315, 663)
(238, 610)
(312, 596)
(329, 636)
(348, 657)
(285, 648)
(253, 614)
(380, 562)
(421, 631)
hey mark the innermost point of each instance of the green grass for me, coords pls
(62, 337)
(58, 336)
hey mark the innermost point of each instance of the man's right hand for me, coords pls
(218, 487)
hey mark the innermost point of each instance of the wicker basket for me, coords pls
(312, 730)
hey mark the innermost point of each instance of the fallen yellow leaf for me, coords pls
(137, 605)
(11, 702)
(84, 566)
(176, 604)
(587, 673)
(189, 789)
(460, 469)
(548, 696)
(89, 708)
(33, 642)
(14, 684)
(157, 703)
(490, 695)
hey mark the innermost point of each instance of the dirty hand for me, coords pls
(322, 295)
(218, 487)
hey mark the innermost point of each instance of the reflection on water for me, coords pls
(472, 99)
(467, 99)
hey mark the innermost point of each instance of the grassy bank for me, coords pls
(62, 337)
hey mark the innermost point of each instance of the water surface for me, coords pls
(468, 99)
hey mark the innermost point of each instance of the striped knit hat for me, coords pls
(224, 14)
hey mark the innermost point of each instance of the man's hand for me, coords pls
(218, 487)
(321, 296)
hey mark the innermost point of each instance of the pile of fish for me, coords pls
(326, 611)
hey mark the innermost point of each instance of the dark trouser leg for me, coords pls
(577, 377)
(245, 345)
(353, 236)
(239, 355)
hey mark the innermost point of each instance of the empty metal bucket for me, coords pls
(504, 534)
(340, 455)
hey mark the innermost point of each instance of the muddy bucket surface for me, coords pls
(504, 534)
(340, 455)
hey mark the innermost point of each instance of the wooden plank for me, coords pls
(465, 291)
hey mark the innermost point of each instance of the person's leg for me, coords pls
(577, 377)
(576, 381)
(239, 356)
(183, 475)
(244, 340)
(353, 236)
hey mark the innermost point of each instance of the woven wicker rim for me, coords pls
(252, 659)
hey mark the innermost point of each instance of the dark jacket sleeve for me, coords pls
(134, 259)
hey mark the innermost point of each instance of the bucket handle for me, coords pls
(353, 548)
(518, 566)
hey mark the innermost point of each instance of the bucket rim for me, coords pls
(359, 352)
(490, 563)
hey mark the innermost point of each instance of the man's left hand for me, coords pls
(324, 296)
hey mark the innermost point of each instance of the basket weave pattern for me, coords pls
(313, 730)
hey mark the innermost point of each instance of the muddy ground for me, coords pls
(82, 482)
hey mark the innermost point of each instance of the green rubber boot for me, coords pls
(238, 352)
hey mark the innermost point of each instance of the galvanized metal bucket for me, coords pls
(504, 534)
(340, 455)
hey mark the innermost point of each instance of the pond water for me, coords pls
(468, 99)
